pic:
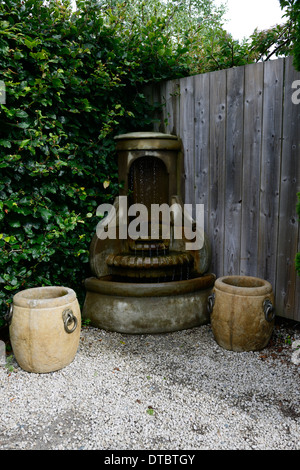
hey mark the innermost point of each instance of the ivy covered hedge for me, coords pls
(72, 83)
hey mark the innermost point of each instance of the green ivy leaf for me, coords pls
(5, 143)
(23, 125)
(46, 214)
(21, 114)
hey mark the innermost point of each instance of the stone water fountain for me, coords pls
(149, 283)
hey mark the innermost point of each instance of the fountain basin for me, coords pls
(147, 308)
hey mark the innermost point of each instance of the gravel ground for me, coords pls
(175, 391)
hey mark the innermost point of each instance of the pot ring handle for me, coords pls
(9, 314)
(269, 310)
(211, 303)
(69, 318)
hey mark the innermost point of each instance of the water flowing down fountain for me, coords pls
(149, 259)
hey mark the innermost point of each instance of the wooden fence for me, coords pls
(240, 132)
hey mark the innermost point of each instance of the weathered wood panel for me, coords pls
(187, 133)
(240, 132)
(288, 234)
(217, 167)
(233, 170)
(270, 170)
(172, 108)
(251, 167)
(202, 140)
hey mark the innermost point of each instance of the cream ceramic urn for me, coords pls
(242, 312)
(45, 324)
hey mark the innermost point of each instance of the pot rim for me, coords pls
(44, 297)
(237, 284)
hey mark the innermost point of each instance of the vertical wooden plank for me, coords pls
(270, 170)
(217, 167)
(251, 167)
(287, 285)
(153, 94)
(162, 98)
(187, 136)
(157, 93)
(202, 124)
(234, 170)
(172, 93)
(172, 125)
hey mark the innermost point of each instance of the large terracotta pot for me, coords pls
(242, 312)
(45, 328)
